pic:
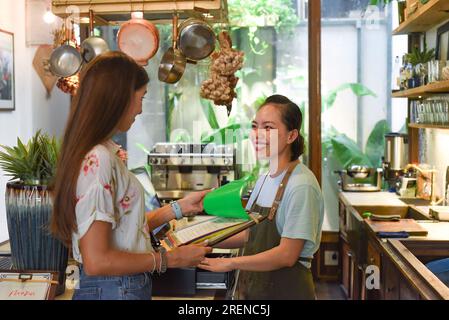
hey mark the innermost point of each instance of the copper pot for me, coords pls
(138, 38)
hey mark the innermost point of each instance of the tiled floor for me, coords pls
(329, 291)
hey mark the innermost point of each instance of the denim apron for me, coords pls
(289, 283)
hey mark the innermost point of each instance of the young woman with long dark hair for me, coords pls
(98, 203)
(278, 251)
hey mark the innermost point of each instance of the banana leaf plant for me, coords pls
(347, 152)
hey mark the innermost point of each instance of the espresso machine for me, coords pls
(180, 168)
(176, 170)
(395, 158)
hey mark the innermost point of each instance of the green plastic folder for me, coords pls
(226, 201)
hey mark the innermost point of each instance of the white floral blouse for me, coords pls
(107, 191)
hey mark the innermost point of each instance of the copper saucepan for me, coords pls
(138, 38)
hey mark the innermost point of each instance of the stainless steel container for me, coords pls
(396, 151)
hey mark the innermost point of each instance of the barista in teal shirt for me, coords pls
(277, 255)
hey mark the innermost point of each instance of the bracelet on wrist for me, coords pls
(163, 262)
(177, 210)
(154, 262)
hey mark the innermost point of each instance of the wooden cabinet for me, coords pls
(406, 291)
(374, 260)
(351, 273)
(357, 274)
(345, 263)
(342, 219)
(399, 264)
(389, 280)
(394, 285)
(373, 255)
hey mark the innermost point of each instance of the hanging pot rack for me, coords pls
(113, 12)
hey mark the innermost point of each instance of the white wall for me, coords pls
(34, 110)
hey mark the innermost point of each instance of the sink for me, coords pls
(357, 233)
(405, 212)
(402, 211)
(415, 201)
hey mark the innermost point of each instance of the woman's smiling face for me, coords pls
(269, 134)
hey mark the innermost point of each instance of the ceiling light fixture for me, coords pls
(49, 17)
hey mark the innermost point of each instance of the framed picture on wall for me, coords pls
(442, 47)
(7, 99)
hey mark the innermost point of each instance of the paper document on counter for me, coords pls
(210, 228)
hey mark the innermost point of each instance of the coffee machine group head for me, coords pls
(180, 168)
(395, 158)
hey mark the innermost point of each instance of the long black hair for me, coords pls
(291, 116)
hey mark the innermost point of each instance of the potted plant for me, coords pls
(419, 60)
(29, 205)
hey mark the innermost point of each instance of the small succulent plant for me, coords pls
(417, 56)
(33, 163)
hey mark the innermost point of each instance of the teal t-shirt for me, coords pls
(301, 211)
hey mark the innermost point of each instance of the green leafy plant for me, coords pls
(256, 13)
(347, 152)
(376, 2)
(173, 99)
(279, 13)
(33, 163)
(358, 89)
(417, 56)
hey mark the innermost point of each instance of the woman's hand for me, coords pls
(217, 264)
(192, 203)
(187, 256)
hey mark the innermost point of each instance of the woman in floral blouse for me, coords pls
(98, 203)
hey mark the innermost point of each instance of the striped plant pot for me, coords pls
(28, 213)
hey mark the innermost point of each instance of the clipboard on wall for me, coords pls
(28, 285)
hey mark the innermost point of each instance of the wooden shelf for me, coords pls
(114, 12)
(428, 126)
(426, 17)
(432, 88)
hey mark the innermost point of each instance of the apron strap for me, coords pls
(281, 190)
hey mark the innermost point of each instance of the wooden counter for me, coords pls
(401, 262)
(380, 198)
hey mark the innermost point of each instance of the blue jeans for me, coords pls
(441, 269)
(130, 287)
